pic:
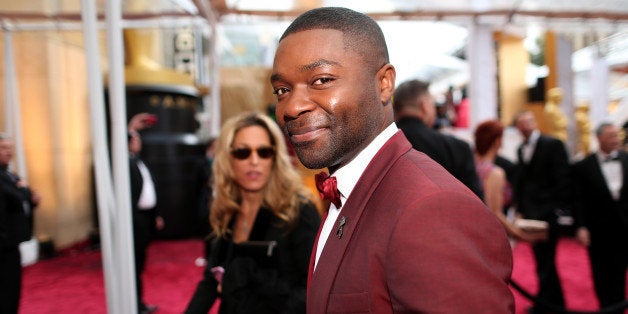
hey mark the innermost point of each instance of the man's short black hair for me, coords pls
(361, 33)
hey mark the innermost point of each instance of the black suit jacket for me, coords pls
(509, 167)
(543, 183)
(248, 286)
(453, 154)
(595, 208)
(15, 226)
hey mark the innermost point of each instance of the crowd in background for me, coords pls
(530, 196)
(262, 243)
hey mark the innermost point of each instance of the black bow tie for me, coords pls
(611, 158)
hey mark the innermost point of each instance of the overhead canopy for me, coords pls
(591, 21)
(564, 15)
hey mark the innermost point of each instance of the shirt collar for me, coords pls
(534, 137)
(601, 156)
(348, 175)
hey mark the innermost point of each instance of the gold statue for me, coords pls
(555, 118)
(583, 127)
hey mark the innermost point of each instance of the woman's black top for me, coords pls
(267, 274)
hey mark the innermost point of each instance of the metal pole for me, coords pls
(215, 80)
(12, 105)
(102, 170)
(120, 157)
(8, 82)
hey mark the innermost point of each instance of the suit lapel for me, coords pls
(336, 245)
(598, 176)
(538, 150)
(623, 158)
(310, 269)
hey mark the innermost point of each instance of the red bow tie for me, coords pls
(327, 187)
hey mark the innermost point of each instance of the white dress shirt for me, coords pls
(528, 148)
(347, 177)
(148, 197)
(612, 172)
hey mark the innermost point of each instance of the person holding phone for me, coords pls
(264, 224)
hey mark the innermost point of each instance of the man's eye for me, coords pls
(322, 80)
(280, 91)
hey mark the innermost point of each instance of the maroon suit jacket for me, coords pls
(414, 240)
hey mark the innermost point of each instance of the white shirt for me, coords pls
(528, 149)
(148, 197)
(347, 177)
(612, 172)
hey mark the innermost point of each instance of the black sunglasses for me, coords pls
(264, 152)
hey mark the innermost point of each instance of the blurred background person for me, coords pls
(415, 113)
(542, 189)
(601, 206)
(143, 203)
(259, 200)
(442, 120)
(497, 189)
(17, 202)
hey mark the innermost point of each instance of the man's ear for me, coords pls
(386, 77)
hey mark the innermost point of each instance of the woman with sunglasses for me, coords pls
(263, 221)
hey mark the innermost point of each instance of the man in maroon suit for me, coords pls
(404, 236)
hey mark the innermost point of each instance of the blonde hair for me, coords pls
(282, 195)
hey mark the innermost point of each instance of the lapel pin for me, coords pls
(341, 224)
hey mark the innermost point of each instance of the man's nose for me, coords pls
(298, 103)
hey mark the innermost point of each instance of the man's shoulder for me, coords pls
(418, 166)
(456, 142)
(549, 139)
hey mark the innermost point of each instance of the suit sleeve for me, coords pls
(205, 294)
(450, 250)
(206, 291)
(468, 173)
(560, 174)
(4, 221)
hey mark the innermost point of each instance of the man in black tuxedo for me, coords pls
(415, 112)
(17, 201)
(542, 188)
(601, 207)
(145, 218)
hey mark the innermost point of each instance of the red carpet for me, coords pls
(73, 283)
(574, 271)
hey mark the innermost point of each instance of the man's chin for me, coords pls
(311, 158)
